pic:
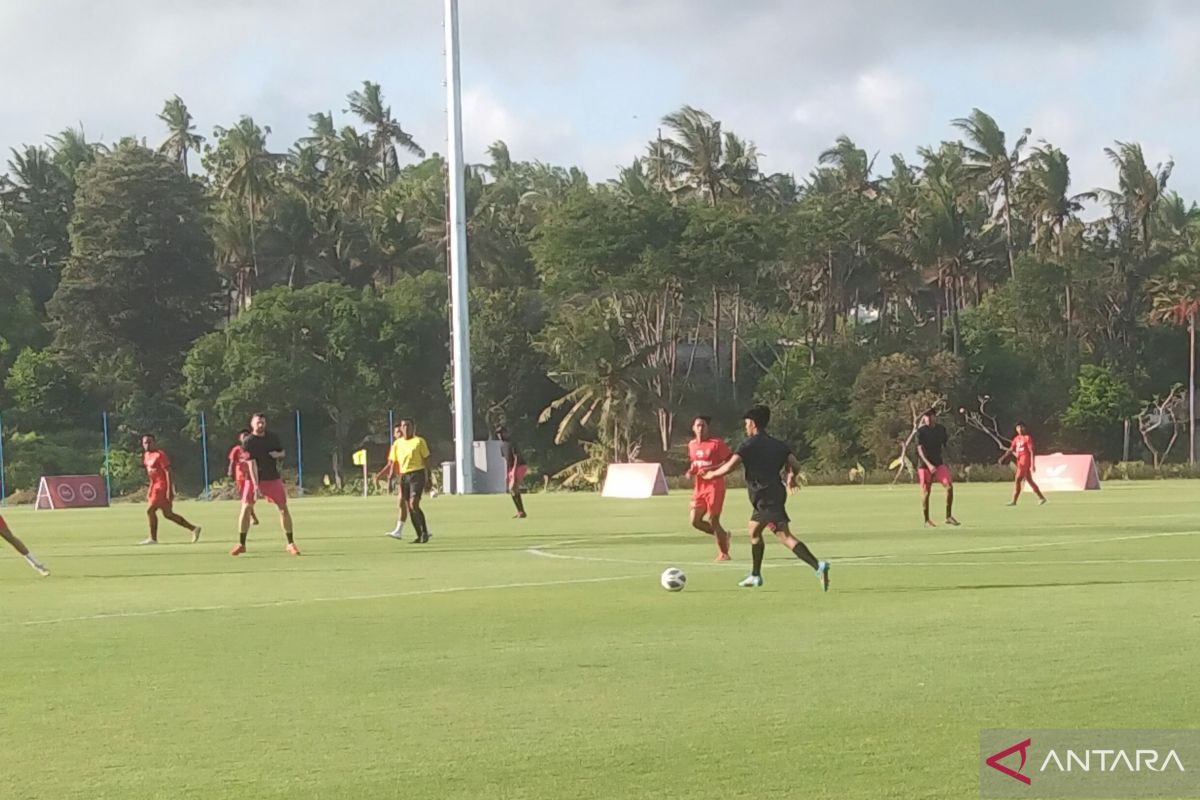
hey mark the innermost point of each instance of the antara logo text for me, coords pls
(1094, 760)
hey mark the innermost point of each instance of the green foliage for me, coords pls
(1100, 401)
(139, 287)
(43, 391)
(891, 392)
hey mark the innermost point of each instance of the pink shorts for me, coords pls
(940, 474)
(273, 491)
(516, 475)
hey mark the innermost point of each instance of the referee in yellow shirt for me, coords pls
(409, 458)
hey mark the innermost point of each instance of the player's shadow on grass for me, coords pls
(1046, 585)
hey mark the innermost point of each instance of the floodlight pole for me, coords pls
(464, 435)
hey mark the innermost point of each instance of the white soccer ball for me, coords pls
(673, 579)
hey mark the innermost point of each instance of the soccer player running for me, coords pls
(7, 535)
(706, 452)
(161, 496)
(1021, 448)
(239, 472)
(765, 458)
(409, 457)
(931, 440)
(515, 469)
(263, 451)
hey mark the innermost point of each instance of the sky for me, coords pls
(587, 83)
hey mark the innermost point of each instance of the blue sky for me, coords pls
(586, 83)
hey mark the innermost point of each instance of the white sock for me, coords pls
(399, 529)
(33, 562)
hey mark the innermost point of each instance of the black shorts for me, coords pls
(412, 484)
(770, 509)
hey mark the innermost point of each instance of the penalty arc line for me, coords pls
(307, 600)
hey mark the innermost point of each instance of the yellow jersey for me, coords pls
(409, 455)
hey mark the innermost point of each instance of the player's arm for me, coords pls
(253, 465)
(1005, 454)
(1032, 457)
(921, 454)
(723, 470)
(793, 469)
(170, 482)
(232, 463)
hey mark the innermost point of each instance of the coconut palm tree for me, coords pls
(990, 162)
(246, 173)
(1044, 194)
(181, 135)
(1139, 190)
(385, 131)
(694, 153)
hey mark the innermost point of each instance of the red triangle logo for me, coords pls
(994, 761)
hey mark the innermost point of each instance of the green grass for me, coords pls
(473, 668)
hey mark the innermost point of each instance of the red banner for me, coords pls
(71, 491)
(1066, 473)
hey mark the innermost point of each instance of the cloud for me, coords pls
(587, 83)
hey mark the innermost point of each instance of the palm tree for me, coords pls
(989, 160)
(181, 135)
(695, 152)
(1044, 193)
(850, 166)
(739, 167)
(1176, 299)
(385, 131)
(72, 150)
(248, 176)
(1139, 190)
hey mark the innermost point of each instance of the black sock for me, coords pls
(289, 535)
(518, 502)
(757, 549)
(242, 536)
(418, 518)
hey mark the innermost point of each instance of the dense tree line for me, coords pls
(604, 314)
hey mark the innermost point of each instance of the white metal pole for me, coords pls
(464, 434)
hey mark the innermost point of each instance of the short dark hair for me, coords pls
(409, 420)
(244, 432)
(1020, 424)
(257, 414)
(707, 419)
(930, 412)
(760, 415)
(150, 436)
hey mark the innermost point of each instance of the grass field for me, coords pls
(541, 659)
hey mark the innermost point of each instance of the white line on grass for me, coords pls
(888, 560)
(306, 600)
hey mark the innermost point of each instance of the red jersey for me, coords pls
(706, 455)
(237, 463)
(1022, 447)
(157, 464)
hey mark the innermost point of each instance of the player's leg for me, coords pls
(152, 520)
(758, 548)
(401, 510)
(722, 535)
(416, 489)
(784, 534)
(285, 522)
(169, 513)
(1033, 485)
(926, 490)
(244, 516)
(944, 476)
(7, 535)
(518, 501)
(698, 521)
(1016, 488)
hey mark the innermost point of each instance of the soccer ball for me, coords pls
(673, 579)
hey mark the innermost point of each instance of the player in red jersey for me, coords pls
(239, 470)
(7, 535)
(161, 496)
(706, 453)
(1021, 449)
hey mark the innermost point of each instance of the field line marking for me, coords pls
(306, 600)
(544, 552)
